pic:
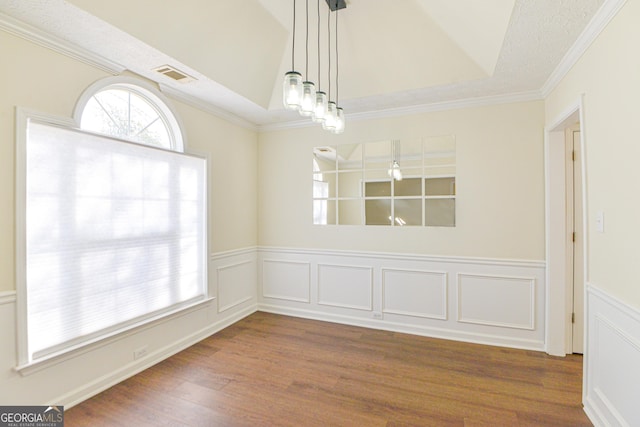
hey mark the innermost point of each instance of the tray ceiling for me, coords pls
(392, 54)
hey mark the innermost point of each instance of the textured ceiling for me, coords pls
(414, 53)
(478, 27)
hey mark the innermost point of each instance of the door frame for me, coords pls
(575, 218)
(559, 293)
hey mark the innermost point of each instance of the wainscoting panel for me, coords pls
(496, 300)
(345, 286)
(286, 280)
(8, 349)
(235, 277)
(612, 374)
(414, 293)
(235, 284)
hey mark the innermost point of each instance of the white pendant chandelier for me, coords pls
(394, 171)
(302, 96)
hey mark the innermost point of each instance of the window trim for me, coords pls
(145, 90)
(28, 368)
(25, 366)
(23, 116)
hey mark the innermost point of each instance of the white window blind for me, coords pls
(115, 234)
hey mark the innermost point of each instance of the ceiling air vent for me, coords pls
(174, 74)
(327, 153)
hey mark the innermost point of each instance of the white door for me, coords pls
(575, 220)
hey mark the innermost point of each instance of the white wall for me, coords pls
(480, 281)
(233, 154)
(499, 183)
(607, 77)
(40, 79)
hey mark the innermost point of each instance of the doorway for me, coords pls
(575, 237)
(564, 215)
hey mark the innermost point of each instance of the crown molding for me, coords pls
(603, 16)
(418, 109)
(207, 107)
(57, 44)
(458, 104)
(296, 124)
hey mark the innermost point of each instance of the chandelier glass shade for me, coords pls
(394, 171)
(308, 105)
(339, 120)
(330, 118)
(292, 91)
(320, 110)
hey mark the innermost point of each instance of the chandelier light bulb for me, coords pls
(320, 110)
(292, 91)
(330, 118)
(308, 104)
(339, 120)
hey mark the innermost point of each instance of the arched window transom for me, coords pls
(132, 112)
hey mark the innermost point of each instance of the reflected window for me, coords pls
(393, 183)
(320, 196)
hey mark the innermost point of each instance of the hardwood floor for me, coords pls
(271, 370)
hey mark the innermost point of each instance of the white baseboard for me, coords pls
(404, 328)
(612, 360)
